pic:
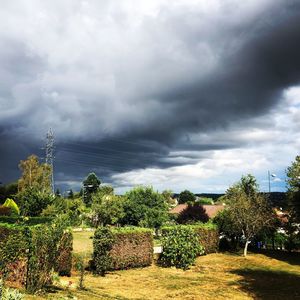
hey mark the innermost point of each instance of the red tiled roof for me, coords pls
(211, 210)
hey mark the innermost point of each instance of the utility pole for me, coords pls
(50, 156)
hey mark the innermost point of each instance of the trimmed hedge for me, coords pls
(207, 233)
(64, 255)
(28, 221)
(29, 254)
(132, 248)
(129, 247)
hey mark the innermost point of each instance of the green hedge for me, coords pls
(207, 233)
(180, 247)
(28, 254)
(127, 247)
(63, 263)
(29, 221)
(132, 247)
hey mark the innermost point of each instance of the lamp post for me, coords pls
(269, 177)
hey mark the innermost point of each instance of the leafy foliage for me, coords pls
(34, 175)
(10, 203)
(248, 211)
(107, 210)
(193, 213)
(33, 201)
(293, 183)
(102, 243)
(37, 246)
(9, 294)
(90, 185)
(186, 196)
(180, 247)
(132, 248)
(63, 264)
(144, 207)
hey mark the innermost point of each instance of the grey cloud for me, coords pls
(180, 72)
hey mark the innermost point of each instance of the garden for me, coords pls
(95, 244)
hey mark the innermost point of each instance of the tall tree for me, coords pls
(186, 196)
(248, 210)
(145, 207)
(34, 175)
(90, 185)
(293, 183)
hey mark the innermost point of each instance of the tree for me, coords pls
(186, 196)
(168, 196)
(145, 207)
(193, 213)
(107, 209)
(293, 183)
(34, 175)
(248, 211)
(32, 201)
(90, 185)
(8, 191)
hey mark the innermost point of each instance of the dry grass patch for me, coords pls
(215, 276)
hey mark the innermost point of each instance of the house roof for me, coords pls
(211, 210)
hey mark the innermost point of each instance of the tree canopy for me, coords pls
(90, 185)
(293, 183)
(145, 207)
(248, 211)
(186, 196)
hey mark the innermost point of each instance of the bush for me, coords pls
(9, 294)
(122, 248)
(4, 211)
(64, 255)
(180, 247)
(31, 251)
(12, 205)
(132, 248)
(208, 235)
(28, 221)
(102, 243)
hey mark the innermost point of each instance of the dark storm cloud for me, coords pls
(123, 100)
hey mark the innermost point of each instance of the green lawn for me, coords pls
(215, 276)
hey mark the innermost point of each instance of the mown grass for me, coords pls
(215, 276)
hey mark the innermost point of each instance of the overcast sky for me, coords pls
(179, 94)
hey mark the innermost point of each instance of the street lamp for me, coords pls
(269, 177)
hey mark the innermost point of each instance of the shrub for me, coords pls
(180, 247)
(78, 263)
(63, 263)
(122, 248)
(102, 243)
(4, 211)
(132, 247)
(31, 251)
(12, 205)
(208, 235)
(28, 221)
(9, 294)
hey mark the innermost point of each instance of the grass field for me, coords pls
(215, 276)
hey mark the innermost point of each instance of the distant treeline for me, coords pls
(277, 199)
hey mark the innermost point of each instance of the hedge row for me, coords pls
(29, 221)
(132, 247)
(207, 234)
(63, 263)
(122, 248)
(28, 254)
